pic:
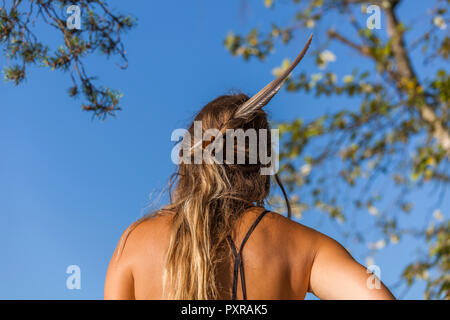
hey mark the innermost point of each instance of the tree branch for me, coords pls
(405, 70)
(362, 49)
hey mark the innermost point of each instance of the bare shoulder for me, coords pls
(149, 233)
(142, 239)
(296, 231)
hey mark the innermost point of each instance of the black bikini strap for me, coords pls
(238, 263)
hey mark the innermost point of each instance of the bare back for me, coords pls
(278, 260)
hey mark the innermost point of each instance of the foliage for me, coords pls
(101, 31)
(394, 135)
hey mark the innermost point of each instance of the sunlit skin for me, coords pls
(282, 260)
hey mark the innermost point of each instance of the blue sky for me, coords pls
(70, 185)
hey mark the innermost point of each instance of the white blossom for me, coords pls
(326, 56)
(440, 22)
(316, 77)
(372, 210)
(380, 244)
(279, 70)
(305, 169)
(394, 238)
(310, 23)
(348, 79)
(437, 214)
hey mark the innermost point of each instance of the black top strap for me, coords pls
(238, 263)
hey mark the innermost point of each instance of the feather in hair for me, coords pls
(263, 97)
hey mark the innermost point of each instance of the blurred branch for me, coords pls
(406, 71)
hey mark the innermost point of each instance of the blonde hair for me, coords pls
(206, 201)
